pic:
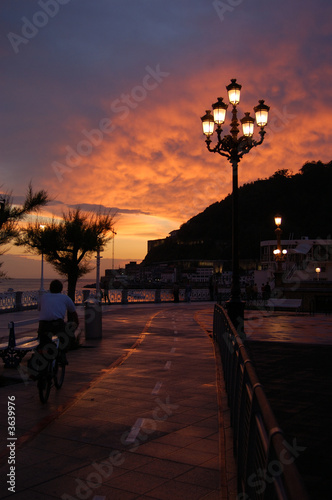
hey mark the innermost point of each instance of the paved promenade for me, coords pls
(137, 416)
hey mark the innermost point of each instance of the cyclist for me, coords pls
(53, 307)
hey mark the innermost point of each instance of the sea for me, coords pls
(32, 284)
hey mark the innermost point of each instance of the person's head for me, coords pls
(56, 286)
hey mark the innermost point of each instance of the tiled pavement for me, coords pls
(137, 416)
(131, 421)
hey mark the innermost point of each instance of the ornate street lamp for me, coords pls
(234, 148)
(279, 253)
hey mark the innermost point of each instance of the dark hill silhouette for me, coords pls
(304, 200)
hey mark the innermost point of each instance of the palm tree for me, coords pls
(10, 215)
(68, 245)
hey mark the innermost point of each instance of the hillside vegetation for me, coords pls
(304, 200)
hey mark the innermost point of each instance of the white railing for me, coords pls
(115, 296)
(29, 299)
(166, 296)
(16, 301)
(7, 300)
(141, 296)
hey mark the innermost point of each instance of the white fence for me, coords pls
(17, 301)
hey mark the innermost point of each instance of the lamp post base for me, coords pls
(278, 278)
(235, 311)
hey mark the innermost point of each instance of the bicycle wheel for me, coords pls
(44, 385)
(59, 370)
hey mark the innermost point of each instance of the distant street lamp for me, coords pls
(318, 270)
(114, 233)
(279, 253)
(42, 290)
(234, 148)
(98, 257)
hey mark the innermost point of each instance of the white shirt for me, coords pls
(54, 306)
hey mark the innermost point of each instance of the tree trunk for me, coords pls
(72, 281)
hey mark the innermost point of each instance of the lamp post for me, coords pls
(279, 253)
(234, 148)
(42, 290)
(98, 257)
(318, 270)
(114, 233)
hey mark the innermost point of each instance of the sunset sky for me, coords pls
(100, 104)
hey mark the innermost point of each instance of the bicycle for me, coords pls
(54, 370)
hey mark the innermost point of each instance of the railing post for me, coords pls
(18, 301)
(124, 299)
(11, 338)
(157, 296)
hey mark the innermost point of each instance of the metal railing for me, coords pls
(265, 464)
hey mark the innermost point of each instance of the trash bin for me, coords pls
(93, 319)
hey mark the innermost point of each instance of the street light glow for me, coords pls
(277, 220)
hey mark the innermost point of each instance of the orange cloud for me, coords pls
(155, 159)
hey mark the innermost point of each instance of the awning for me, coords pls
(302, 248)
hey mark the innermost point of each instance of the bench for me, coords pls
(13, 352)
(282, 304)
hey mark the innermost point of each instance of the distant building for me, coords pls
(199, 274)
(304, 257)
(156, 243)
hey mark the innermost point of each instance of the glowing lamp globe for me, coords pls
(234, 90)
(277, 220)
(219, 111)
(248, 125)
(262, 113)
(208, 123)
